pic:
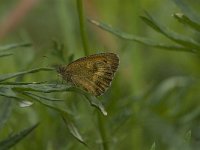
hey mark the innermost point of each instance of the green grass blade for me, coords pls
(187, 21)
(82, 26)
(45, 97)
(5, 110)
(67, 119)
(5, 54)
(47, 88)
(38, 99)
(153, 146)
(141, 40)
(14, 139)
(96, 103)
(7, 92)
(187, 10)
(13, 75)
(13, 46)
(73, 130)
(180, 39)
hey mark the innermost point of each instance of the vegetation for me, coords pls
(153, 102)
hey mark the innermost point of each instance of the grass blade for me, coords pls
(13, 46)
(14, 139)
(73, 130)
(187, 21)
(5, 110)
(13, 75)
(6, 54)
(141, 40)
(187, 10)
(180, 39)
(153, 147)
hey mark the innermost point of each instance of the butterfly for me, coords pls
(93, 73)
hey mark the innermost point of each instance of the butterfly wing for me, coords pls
(93, 73)
(100, 72)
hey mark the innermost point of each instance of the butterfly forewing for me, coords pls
(93, 73)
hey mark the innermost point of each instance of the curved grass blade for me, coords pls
(13, 75)
(141, 40)
(73, 130)
(5, 110)
(187, 21)
(7, 92)
(45, 98)
(13, 46)
(180, 39)
(187, 10)
(47, 88)
(14, 139)
(5, 54)
(38, 99)
(153, 146)
(67, 119)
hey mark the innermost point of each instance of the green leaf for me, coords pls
(92, 100)
(96, 103)
(47, 88)
(13, 46)
(7, 92)
(180, 39)
(45, 97)
(38, 99)
(13, 75)
(5, 110)
(187, 21)
(187, 10)
(153, 146)
(73, 130)
(141, 40)
(5, 54)
(14, 139)
(66, 116)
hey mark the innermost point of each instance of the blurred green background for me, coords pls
(154, 100)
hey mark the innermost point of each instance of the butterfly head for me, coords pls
(60, 70)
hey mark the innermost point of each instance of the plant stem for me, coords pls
(102, 132)
(82, 26)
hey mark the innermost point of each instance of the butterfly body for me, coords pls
(93, 73)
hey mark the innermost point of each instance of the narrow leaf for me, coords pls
(47, 88)
(96, 103)
(13, 46)
(138, 39)
(73, 130)
(5, 54)
(60, 110)
(153, 147)
(14, 139)
(180, 39)
(13, 75)
(187, 21)
(45, 97)
(186, 9)
(5, 110)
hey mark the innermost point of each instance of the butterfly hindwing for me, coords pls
(93, 73)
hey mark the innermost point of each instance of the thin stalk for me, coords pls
(102, 132)
(82, 26)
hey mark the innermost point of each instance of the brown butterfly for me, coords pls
(92, 73)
